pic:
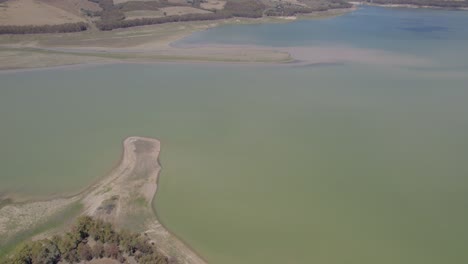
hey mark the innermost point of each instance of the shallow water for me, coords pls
(349, 162)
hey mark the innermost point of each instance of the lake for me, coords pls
(358, 160)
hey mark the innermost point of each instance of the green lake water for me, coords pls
(334, 163)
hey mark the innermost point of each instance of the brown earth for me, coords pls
(73, 6)
(35, 12)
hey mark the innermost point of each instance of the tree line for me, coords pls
(110, 25)
(33, 29)
(289, 10)
(89, 239)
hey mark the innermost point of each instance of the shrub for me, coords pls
(98, 250)
(84, 252)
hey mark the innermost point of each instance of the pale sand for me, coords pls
(125, 197)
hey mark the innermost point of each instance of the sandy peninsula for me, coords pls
(125, 198)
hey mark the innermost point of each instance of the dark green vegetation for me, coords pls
(32, 29)
(89, 239)
(433, 3)
(113, 24)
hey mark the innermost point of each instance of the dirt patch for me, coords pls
(34, 12)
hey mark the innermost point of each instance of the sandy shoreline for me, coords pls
(140, 44)
(156, 44)
(124, 197)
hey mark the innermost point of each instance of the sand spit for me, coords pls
(229, 54)
(125, 197)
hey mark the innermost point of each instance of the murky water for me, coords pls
(341, 162)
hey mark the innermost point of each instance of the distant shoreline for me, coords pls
(408, 6)
(151, 43)
(148, 44)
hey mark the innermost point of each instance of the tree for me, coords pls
(68, 242)
(98, 250)
(83, 225)
(111, 250)
(84, 252)
(71, 256)
(45, 251)
(23, 255)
